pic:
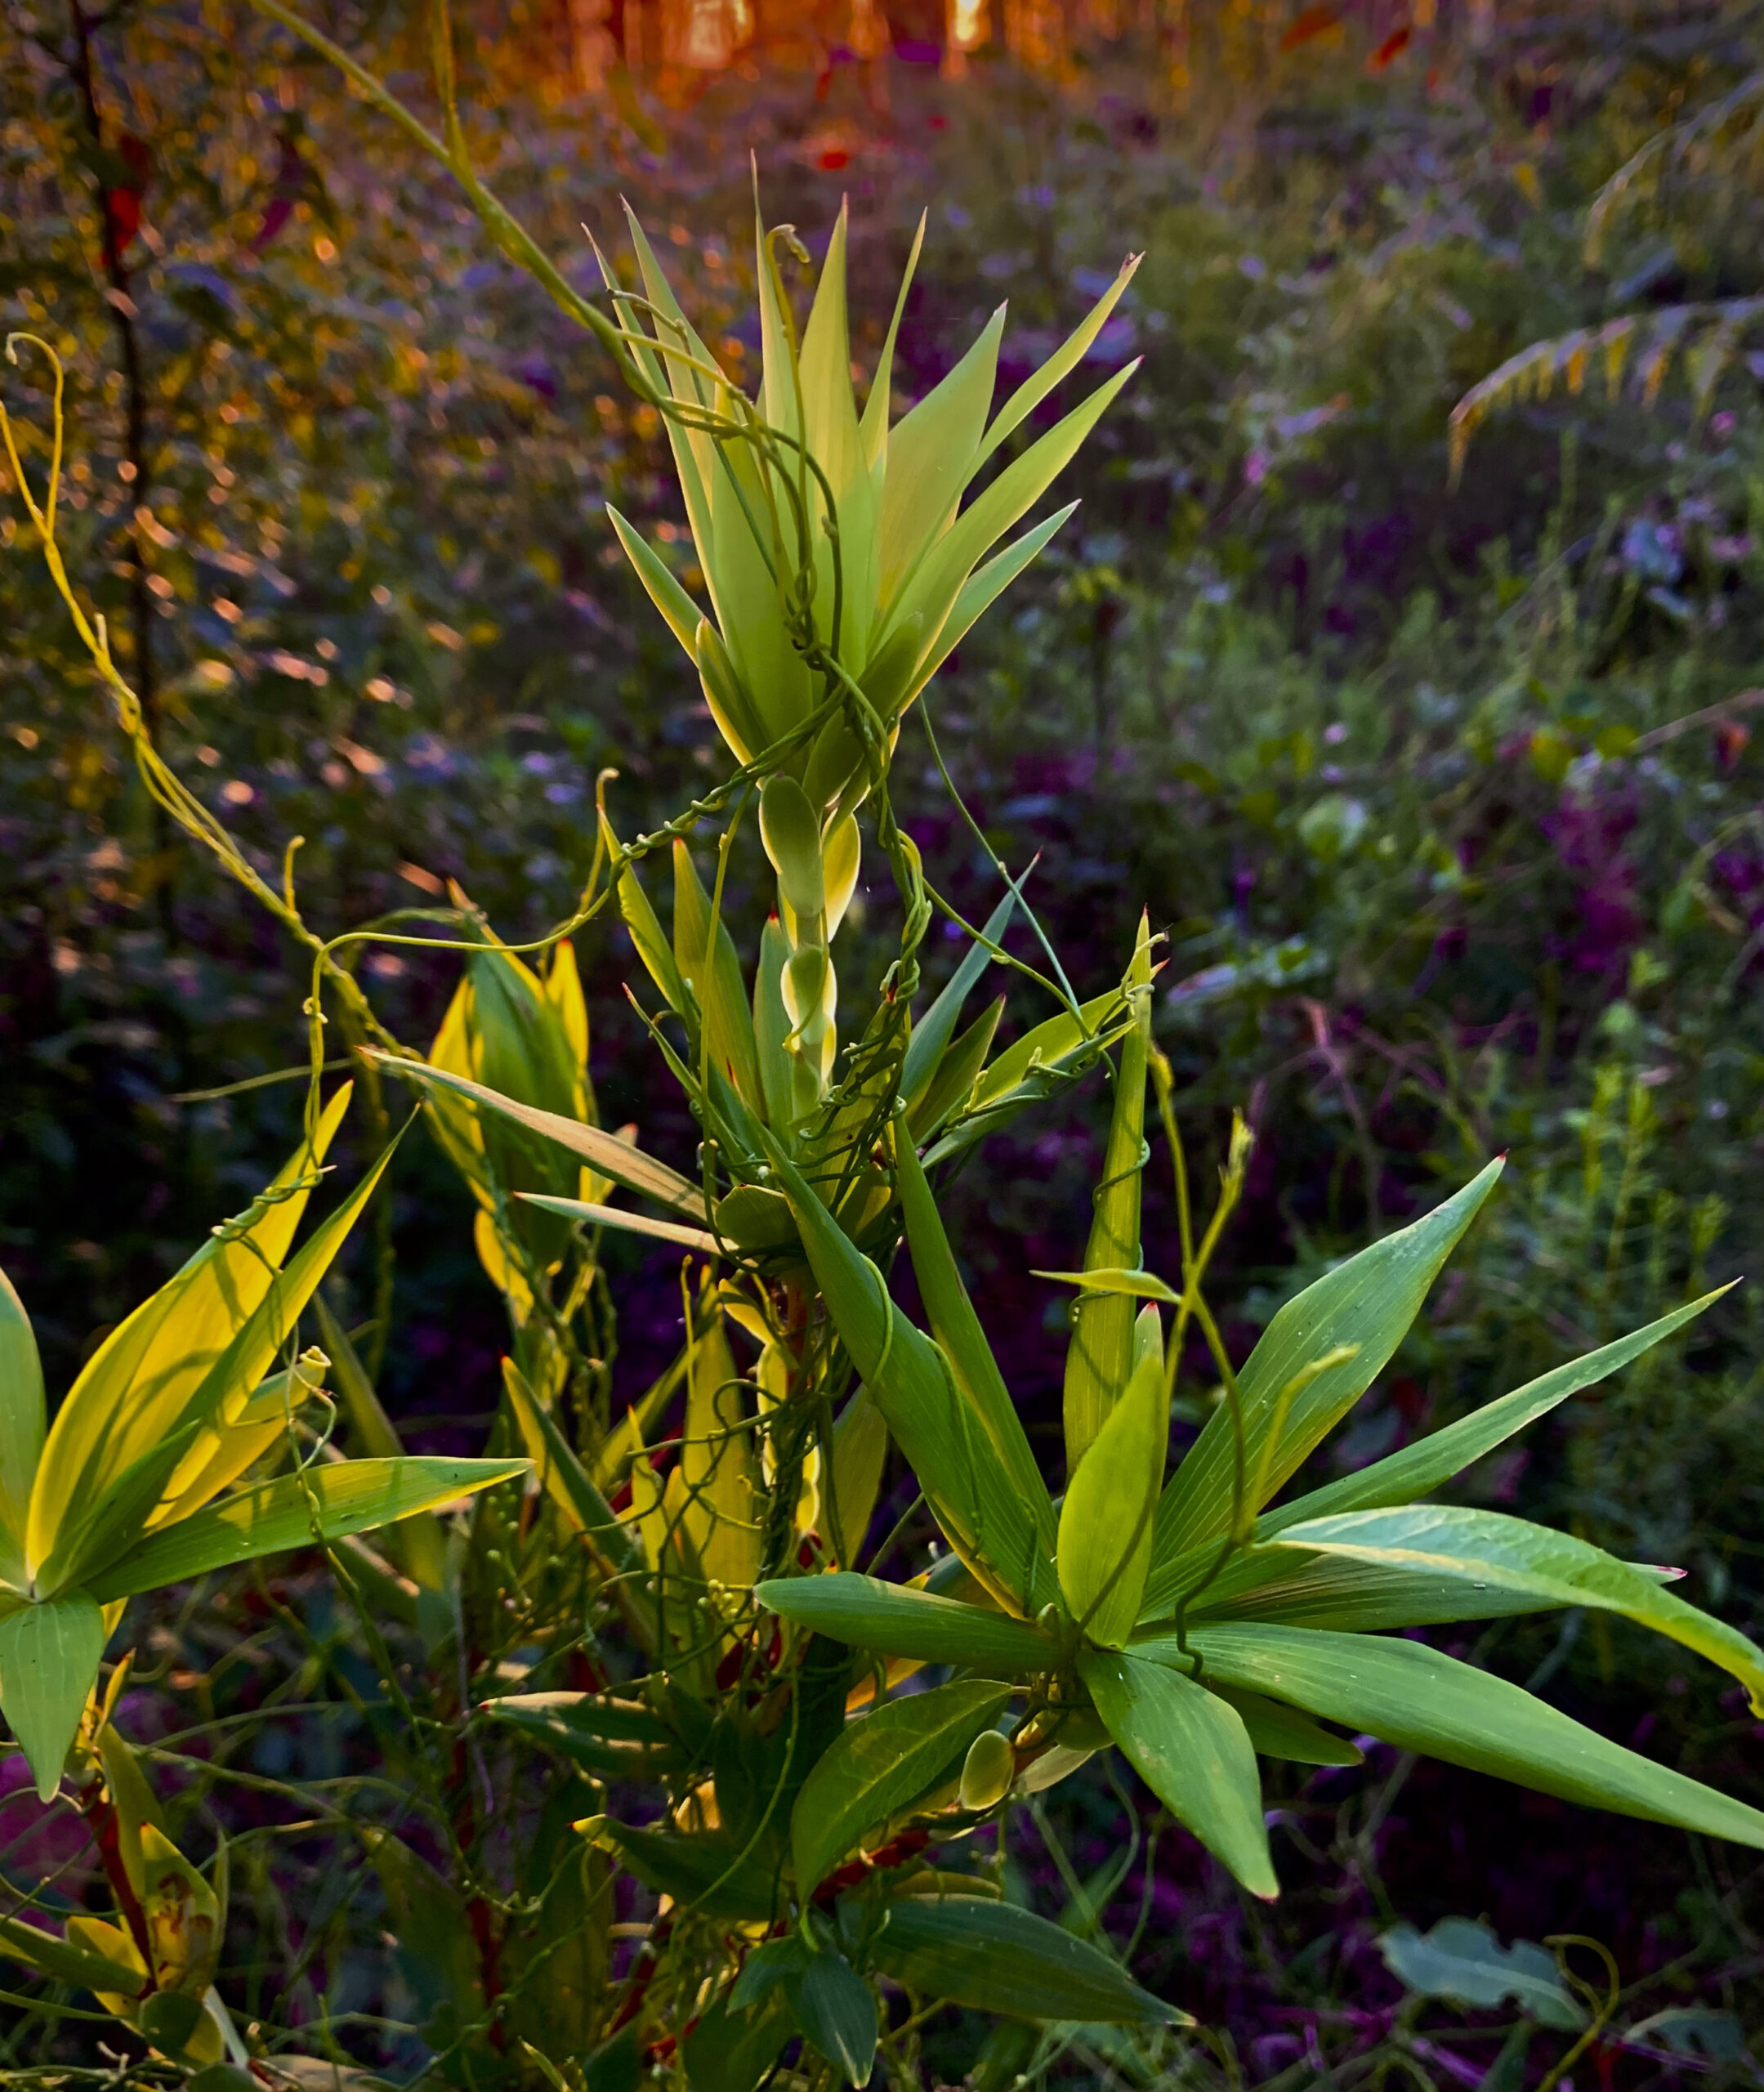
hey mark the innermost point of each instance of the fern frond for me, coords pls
(1738, 112)
(1706, 336)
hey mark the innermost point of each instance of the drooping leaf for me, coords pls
(1105, 1522)
(1191, 1748)
(1419, 1470)
(351, 1497)
(733, 2050)
(894, 1621)
(49, 1656)
(994, 1957)
(1367, 1303)
(880, 1764)
(604, 1151)
(1487, 1551)
(1462, 1960)
(1411, 1695)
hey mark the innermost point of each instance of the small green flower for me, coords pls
(833, 546)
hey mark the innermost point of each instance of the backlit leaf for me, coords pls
(1367, 1303)
(22, 1425)
(1418, 1469)
(604, 1151)
(1487, 1551)
(352, 1496)
(1105, 1522)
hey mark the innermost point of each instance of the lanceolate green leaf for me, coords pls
(1060, 364)
(982, 588)
(680, 612)
(837, 2010)
(1420, 1469)
(1099, 1356)
(1106, 1519)
(1484, 1551)
(932, 1033)
(966, 1482)
(418, 1544)
(957, 1331)
(894, 1621)
(115, 1520)
(1278, 1731)
(1411, 1695)
(993, 1957)
(21, 1427)
(622, 1739)
(1191, 1748)
(351, 1496)
(709, 964)
(612, 1157)
(49, 1656)
(1369, 1302)
(565, 1480)
(62, 1964)
(144, 1370)
(950, 1089)
(880, 1764)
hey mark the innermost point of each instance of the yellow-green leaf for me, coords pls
(1105, 1522)
(295, 1510)
(22, 1424)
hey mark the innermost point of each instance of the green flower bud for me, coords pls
(988, 1770)
(792, 837)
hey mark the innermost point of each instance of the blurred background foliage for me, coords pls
(1445, 794)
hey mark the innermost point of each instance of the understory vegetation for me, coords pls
(1351, 791)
